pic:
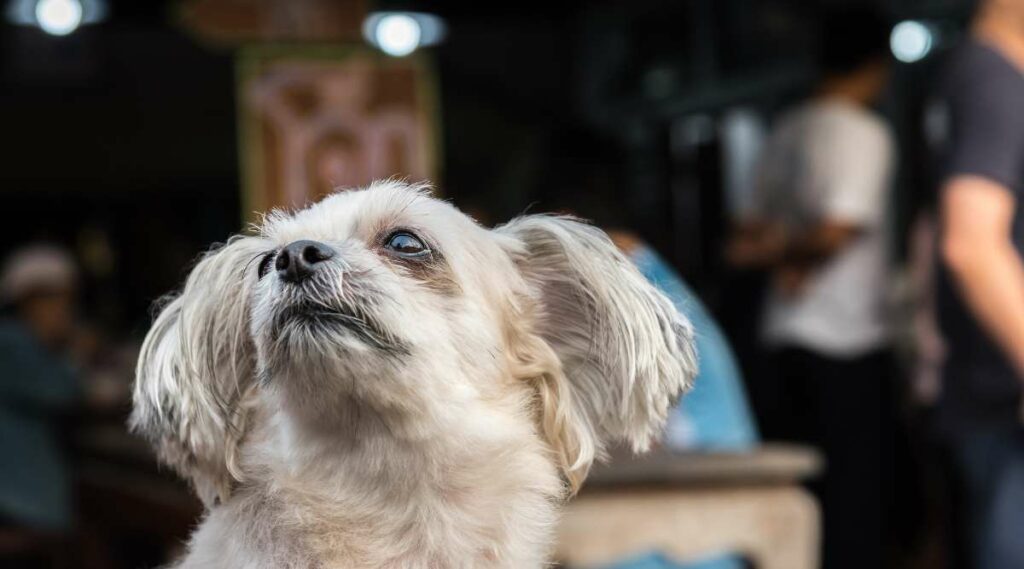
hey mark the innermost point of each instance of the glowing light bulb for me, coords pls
(59, 17)
(911, 41)
(397, 34)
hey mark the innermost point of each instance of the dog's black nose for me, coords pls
(298, 260)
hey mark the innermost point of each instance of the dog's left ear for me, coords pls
(610, 353)
(195, 371)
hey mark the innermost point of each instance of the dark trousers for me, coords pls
(988, 469)
(846, 408)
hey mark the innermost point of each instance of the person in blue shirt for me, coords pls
(37, 389)
(714, 416)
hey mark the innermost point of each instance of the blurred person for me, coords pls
(980, 296)
(818, 225)
(715, 415)
(37, 388)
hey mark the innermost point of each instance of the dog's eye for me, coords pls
(406, 244)
(264, 265)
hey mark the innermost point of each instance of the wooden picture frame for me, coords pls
(313, 120)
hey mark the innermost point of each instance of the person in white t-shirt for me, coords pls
(817, 223)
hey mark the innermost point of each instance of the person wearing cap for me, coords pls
(37, 388)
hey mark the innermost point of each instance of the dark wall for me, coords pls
(121, 135)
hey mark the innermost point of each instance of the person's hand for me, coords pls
(791, 281)
(756, 243)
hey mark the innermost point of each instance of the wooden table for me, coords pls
(690, 506)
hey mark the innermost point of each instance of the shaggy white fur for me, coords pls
(421, 405)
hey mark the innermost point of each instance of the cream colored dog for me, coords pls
(379, 382)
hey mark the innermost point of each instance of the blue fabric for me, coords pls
(714, 415)
(658, 561)
(36, 388)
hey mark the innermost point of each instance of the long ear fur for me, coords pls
(617, 352)
(195, 371)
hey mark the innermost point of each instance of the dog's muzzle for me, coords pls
(310, 301)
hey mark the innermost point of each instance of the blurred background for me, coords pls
(137, 134)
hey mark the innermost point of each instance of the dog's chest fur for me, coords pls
(485, 508)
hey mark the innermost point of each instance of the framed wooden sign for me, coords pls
(315, 120)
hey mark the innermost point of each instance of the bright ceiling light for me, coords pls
(911, 41)
(400, 33)
(59, 17)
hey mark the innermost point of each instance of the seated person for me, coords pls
(37, 387)
(714, 415)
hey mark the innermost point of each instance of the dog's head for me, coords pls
(394, 303)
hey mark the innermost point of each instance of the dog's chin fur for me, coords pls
(403, 412)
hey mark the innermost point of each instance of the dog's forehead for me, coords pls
(363, 214)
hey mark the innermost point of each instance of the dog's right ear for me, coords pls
(195, 371)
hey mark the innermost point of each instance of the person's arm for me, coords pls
(850, 169)
(811, 249)
(817, 244)
(977, 218)
(791, 257)
(756, 243)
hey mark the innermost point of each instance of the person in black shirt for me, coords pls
(980, 289)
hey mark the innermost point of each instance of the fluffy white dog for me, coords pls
(379, 382)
